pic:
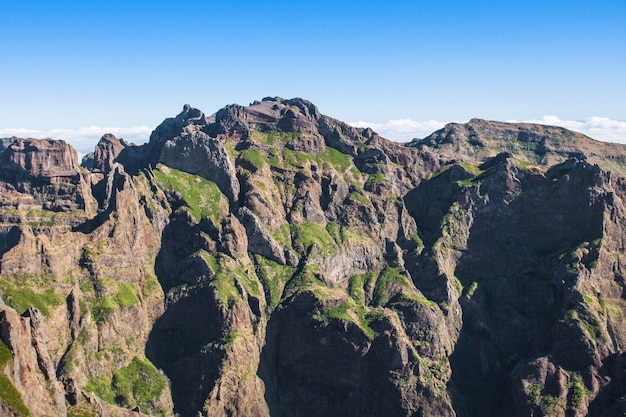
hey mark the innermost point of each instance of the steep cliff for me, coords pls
(272, 261)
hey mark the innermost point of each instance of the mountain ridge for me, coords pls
(270, 260)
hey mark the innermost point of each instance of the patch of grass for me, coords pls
(376, 179)
(356, 196)
(125, 296)
(248, 280)
(138, 384)
(304, 280)
(587, 322)
(283, 235)
(202, 197)
(151, 283)
(577, 391)
(416, 298)
(440, 171)
(471, 290)
(336, 231)
(82, 410)
(417, 239)
(101, 309)
(349, 312)
(522, 164)
(534, 393)
(227, 292)
(471, 168)
(9, 395)
(356, 288)
(273, 276)
(21, 297)
(211, 261)
(101, 386)
(467, 183)
(309, 234)
(387, 277)
(5, 354)
(254, 157)
(332, 157)
(339, 312)
(271, 138)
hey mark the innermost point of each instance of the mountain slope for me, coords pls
(271, 260)
(530, 144)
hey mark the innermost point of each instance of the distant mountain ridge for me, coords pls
(269, 260)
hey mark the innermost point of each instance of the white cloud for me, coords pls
(83, 139)
(600, 128)
(402, 130)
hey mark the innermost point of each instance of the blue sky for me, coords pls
(129, 64)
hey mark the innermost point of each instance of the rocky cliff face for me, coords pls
(272, 261)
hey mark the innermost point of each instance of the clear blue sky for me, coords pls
(127, 63)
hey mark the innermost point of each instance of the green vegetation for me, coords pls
(332, 157)
(138, 384)
(387, 277)
(357, 196)
(349, 312)
(227, 292)
(125, 296)
(471, 290)
(471, 168)
(304, 280)
(101, 309)
(283, 235)
(577, 391)
(356, 287)
(393, 277)
(202, 197)
(338, 232)
(248, 280)
(254, 157)
(211, 261)
(522, 164)
(9, 395)
(150, 283)
(440, 171)
(82, 410)
(534, 393)
(376, 179)
(287, 158)
(273, 276)
(93, 249)
(310, 234)
(589, 323)
(223, 341)
(271, 138)
(417, 239)
(21, 297)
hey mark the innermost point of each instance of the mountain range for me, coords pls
(269, 260)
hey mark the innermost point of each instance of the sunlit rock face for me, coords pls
(269, 260)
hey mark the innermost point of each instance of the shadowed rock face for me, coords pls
(274, 261)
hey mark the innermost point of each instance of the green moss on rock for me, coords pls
(202, 197)
(9, 395)
(137, 384)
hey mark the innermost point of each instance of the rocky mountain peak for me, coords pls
(41, 157)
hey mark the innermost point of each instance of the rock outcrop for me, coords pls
(269, 260)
